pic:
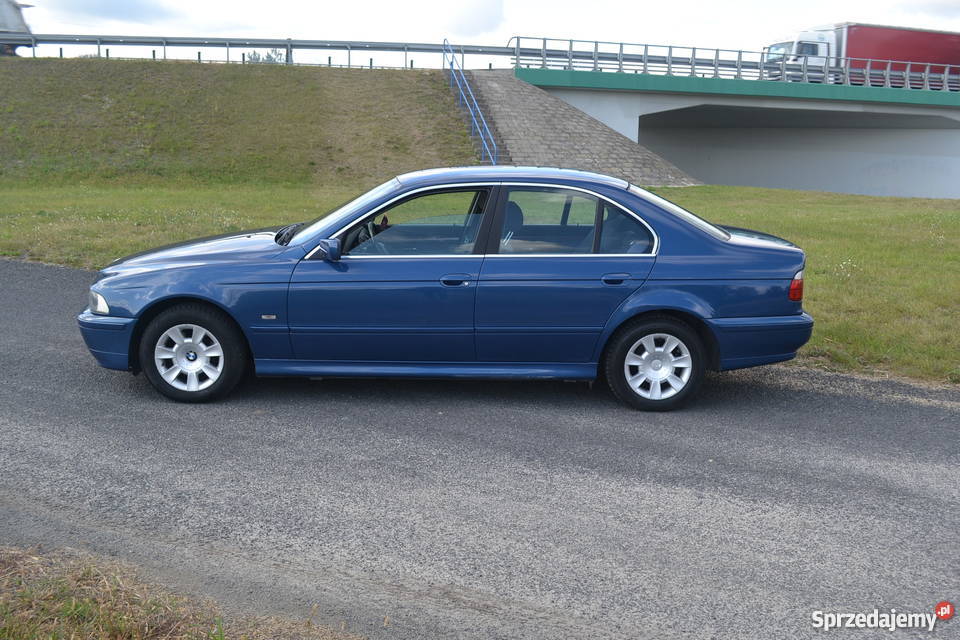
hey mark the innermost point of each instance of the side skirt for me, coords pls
(320, 368)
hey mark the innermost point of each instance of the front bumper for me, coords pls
(108, 338)
(749, 342)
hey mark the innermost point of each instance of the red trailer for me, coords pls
(877, 54)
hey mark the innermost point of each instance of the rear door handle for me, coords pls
(614, 278)
(455, 280)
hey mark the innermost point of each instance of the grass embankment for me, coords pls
(89, 226)
(140, 122)
(65, 594)
(99, 159)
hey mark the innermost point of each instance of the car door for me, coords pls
(559, 262)
(404, 287)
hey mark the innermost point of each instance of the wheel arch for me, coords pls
(159, 306)
(695, 322)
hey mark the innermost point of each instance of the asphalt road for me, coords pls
(411, 509)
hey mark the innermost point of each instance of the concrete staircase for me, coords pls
(533, 128)
(503, 152)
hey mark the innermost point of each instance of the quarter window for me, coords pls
(622, 233)
(435, 223)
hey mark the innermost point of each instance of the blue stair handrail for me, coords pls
(478, 124)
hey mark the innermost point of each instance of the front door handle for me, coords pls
(614, 278)
(455, 280)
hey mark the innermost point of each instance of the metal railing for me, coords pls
(588, 55)
(466, 99)
(621, 57)
(288, 45)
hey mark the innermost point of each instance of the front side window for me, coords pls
(435, 223)
(807, 49)
(346, 211)
(777, 51)
(547, 220)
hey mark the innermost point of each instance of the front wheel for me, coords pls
(656, 364)
(193, 353)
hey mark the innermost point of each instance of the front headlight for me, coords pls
(98, 304)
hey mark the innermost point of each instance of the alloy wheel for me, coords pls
(658, 366)
(188, 357)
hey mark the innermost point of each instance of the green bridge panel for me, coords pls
(614, 81)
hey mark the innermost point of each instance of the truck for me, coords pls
(856, 53)
(11, 22)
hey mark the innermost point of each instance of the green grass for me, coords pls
(141, 122)
(100, 158)
(69, 595)
(882, 273)
(89, 226)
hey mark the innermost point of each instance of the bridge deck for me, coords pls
(616, 81)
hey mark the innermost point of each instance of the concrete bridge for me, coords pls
(871, 140)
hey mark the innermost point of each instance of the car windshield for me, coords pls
(344, 211)
(680, 212)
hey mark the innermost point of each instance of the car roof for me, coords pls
(449, 175)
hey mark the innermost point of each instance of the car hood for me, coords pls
(749, 234)
(228, 246)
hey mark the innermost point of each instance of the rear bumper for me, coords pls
(108, 338)
(749, 342)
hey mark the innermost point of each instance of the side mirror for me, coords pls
(330, 247)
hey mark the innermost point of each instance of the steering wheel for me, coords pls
(377, 245)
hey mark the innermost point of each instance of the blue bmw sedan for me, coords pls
(480, 272)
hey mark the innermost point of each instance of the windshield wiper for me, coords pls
(285, 234)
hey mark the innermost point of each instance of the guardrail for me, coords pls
(621, 57)
(466, 99)
(589, 55)
(289, 45)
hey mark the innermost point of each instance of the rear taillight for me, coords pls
(796, 287)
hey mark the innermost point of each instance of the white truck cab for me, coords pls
(817, 45)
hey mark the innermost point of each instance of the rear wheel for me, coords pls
(656, 364)
(193, 353)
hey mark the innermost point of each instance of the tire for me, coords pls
(183, 371)
(655, 379)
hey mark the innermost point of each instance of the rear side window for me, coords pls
(546, 220)
(549, 220)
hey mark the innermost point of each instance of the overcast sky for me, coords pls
(733, 24)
